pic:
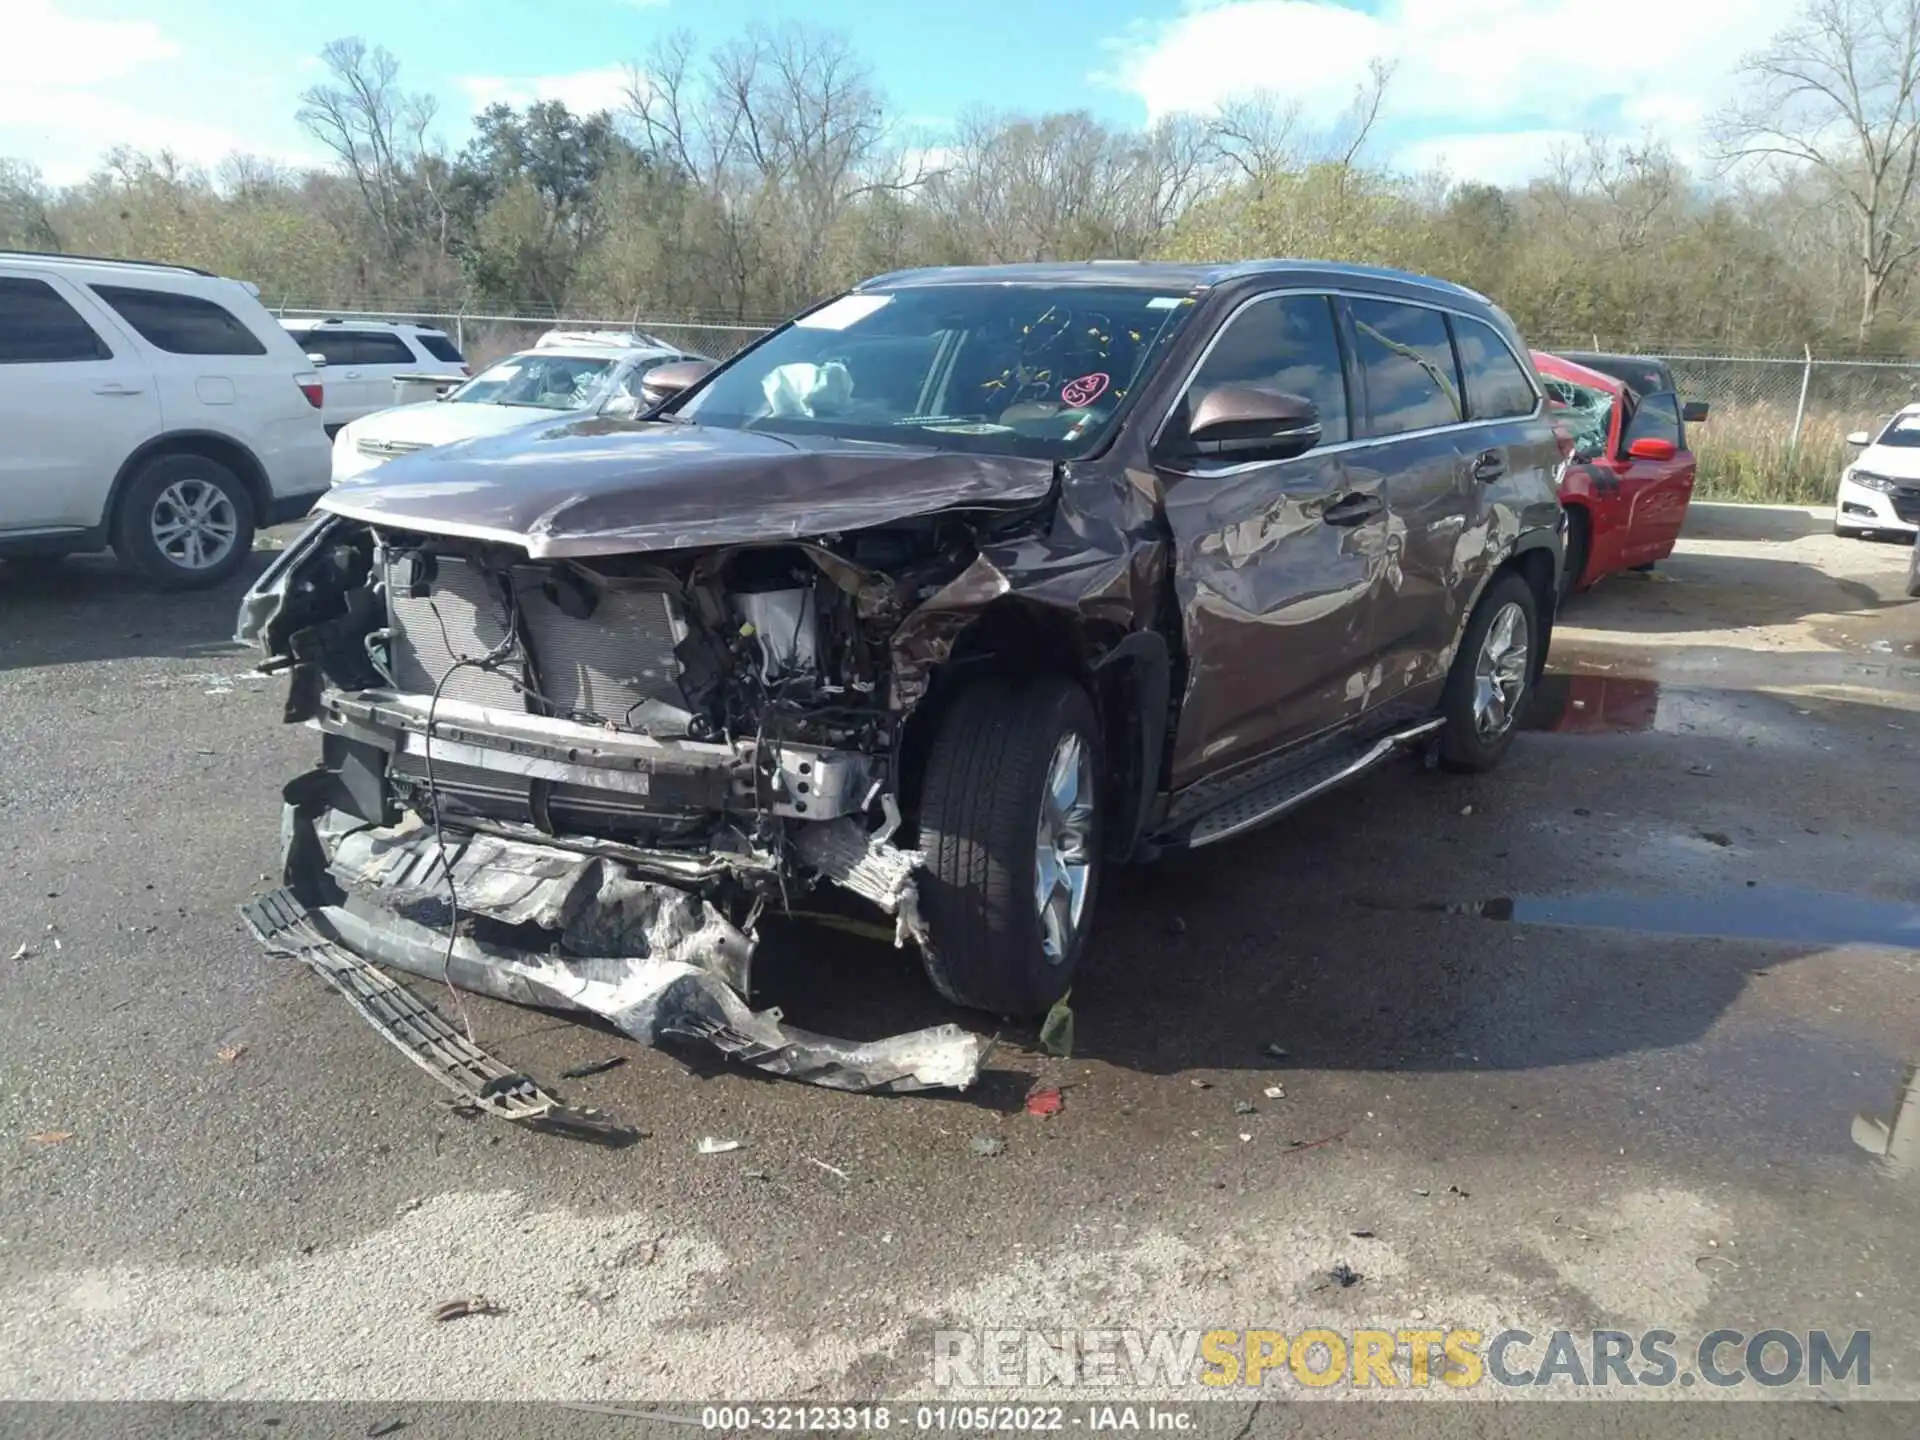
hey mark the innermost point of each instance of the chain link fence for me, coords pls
(1776, 430)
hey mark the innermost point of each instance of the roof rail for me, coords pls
(104, 260)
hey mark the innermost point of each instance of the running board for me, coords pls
(285, 927)
(1225, 809)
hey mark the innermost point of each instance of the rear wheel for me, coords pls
(1010, 825)
(186, 522)
(1492, 676)
(1579, 537)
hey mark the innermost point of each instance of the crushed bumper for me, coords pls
(547, 926)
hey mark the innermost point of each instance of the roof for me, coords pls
(349, 322)
(1164, 275)
(1562, 368)
(593, 352)
(50, 257)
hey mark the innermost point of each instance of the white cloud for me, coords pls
(71, 87)
(581, 91)
(1508, 157)
(1471, 69)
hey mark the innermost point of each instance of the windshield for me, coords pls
(1587, 412)
(1902, 432)
(545, 382)
(1034, 370)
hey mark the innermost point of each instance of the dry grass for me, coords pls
(1746, 455)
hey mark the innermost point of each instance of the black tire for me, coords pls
(1913, 571)
(133, 525)
(1462, 745)
(1579, 537)
(1848, 532)
(980, 812)
(1646, 569)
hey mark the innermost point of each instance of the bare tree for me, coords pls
(377, 130)
(23, 208)
(1838, 93)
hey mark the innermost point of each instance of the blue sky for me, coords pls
(1485, 88)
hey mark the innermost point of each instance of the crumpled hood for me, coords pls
(593, 486)
(442, 422)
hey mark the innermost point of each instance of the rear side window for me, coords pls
(1407, 359)
(1495, 386)
(441, 348)
(1656, 417)
(181, 324)
(378, 347)
(38, 327)
(1287, 343)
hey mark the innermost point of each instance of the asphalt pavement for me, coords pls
(1598, 1041)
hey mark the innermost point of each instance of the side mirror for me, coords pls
(1860, 438)
(316, 360)
(1652, 447)
(663, 382)
(1694, 412)
(1255, 423)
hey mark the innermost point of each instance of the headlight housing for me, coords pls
(1867, 480)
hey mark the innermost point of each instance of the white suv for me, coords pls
(362, 357)
(1880, 490)
(154, 408)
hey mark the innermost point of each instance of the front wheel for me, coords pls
(1492, 676)
(1010, 822)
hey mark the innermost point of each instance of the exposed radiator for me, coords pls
(606, 665)
(461, 619)
(617, 658)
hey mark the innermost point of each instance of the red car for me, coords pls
(1629, 477)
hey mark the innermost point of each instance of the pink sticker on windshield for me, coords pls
(1085, 390)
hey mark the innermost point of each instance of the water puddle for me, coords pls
(1809, 917)
(1593, 704)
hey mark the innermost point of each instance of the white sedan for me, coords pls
(1880, 491)
(580, 371)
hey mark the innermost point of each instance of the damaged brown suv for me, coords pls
(949, 595)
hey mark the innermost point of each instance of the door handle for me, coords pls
(1353, 509)
(118, 387)
(1489, 466)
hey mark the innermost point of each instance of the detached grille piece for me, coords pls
(617, 658)
(471, 621)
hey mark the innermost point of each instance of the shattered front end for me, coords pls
(578, 782)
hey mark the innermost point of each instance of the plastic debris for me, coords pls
(593, 1067)
(987, 1146)
(1243, 1107)
(51, 1137)
(830, 1169)
(22, 953)
(1275, 1092)
(710, 1146)
(1244, 1137)
(227, 1054)
(1056, 1031)
(464, 1306)
(1200, 1084)
(1045, 1103)
(1278, 1052)
(1344, 1275)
